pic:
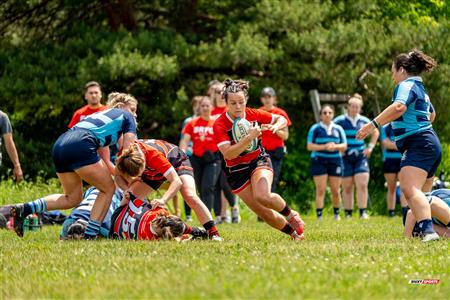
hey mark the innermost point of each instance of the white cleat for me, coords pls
(428, 237)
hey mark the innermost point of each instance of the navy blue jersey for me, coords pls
(351, 127)
(416, 118)
(108, 125)
(387, 132)
(321, 134)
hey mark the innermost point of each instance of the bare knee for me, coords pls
(320, 191)
(335, 192)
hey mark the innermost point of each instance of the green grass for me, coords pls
(349, 259)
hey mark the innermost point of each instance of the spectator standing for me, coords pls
(6, 135)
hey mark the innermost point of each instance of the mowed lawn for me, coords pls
(346, 259)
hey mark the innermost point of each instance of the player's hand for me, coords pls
(331, 146)
(365, 131)
(158, 203)
(272, 127)
(367, 152)
(254, 131)
(18, 174)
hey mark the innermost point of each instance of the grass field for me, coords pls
(349, 259)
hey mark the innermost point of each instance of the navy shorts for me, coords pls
(391, 165)
(239, 177)
(355, 164)
(75, 149)
(331, 166)
(421, 150)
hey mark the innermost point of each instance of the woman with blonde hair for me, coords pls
(82, 153)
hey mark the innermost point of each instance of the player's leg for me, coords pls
(335, 186)
(320, 182)
(347, 195)
(270, 216)
(362, 193)
(428, 185)
(412, 180)
(261, 182)
(189, 193)
(440, 210)
(391, 182)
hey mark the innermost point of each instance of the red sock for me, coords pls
(187, 229)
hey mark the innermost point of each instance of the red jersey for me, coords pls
(157, 164)
(202, 135)
(217, 111)
(133, 220)
(223, 133)
(271, 141)
(83, 112)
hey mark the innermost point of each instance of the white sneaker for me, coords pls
(227, 219)
(235, 217)
(216, 238)
(337, 217)
(428, 237)
(218, 220)
(364, 216)
(189, 218)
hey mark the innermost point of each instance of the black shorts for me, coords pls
(180, 162)
(75, 149)
(239, 176)
(391, 165)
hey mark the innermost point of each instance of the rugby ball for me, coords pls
(240, 130)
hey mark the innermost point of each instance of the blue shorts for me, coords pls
(391, 165)
(355, 164)
(331, 166)
(75, 149)
(421, 150)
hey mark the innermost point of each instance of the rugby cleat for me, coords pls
(296, 237)
(17, 212)
(296, 222)
(76, 230)
(428, 237)
(216, 238)
(199, 233)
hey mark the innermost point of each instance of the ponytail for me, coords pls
(169, 227)
(415, 62)
(235, 86)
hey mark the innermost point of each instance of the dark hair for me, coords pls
(90, 84)
(235, 86)
(325, 106)
(171, 226)
(414, 62)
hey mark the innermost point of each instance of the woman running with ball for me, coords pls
(411, 114)
(249, 172)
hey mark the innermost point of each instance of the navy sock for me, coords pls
(404, 213)
(362, 211)
(336, 211)
(286, 211)
(319, 212)
(348, 212)
(391, 213)
(287, 229)
(425, 226)
(36, 206)
(92, 229)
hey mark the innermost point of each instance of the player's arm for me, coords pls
(388, 144)
(105, 156)
(128, 138)
(184, 142)
(174, 187)
(278, 123)
(283, 133)
(373, 141)
(232, 151)
(316, 147)
(391, 113)
(12, 153)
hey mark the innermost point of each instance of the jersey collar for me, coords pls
(231, 119)
(414, 78)
(354, 121)
(328, 128)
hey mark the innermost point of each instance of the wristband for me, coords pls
(371, 146)
(375, 124)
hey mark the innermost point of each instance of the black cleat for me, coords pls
(76, 230)
(17, 212)
(199, 233)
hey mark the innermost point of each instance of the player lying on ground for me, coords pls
(248, 167)
(139, 220)
(82, 153)
(75, 225)
(440, 215)
(147, 164)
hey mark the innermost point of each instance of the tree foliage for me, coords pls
(165, 51)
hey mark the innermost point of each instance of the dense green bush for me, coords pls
(164, 52)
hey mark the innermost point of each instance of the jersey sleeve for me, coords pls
(342, 135)
(284, 114)
(404, 93)
(262, 116)
(383, 135)
(156, 160)
(220, 134)
(5, 124)
(129, 123)
(75, 119)
(310, 138)
(431, 110)
(188, 128)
